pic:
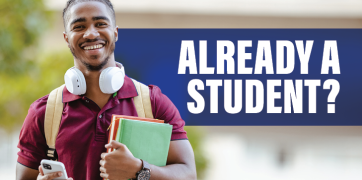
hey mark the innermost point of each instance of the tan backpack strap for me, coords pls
(142, 102)
(53, 115)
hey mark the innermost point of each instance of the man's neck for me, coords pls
(93, 91)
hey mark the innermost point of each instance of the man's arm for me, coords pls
(25, 173)
(121, 163)
(180, 163)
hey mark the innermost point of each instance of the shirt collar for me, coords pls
(128, 90)
(67, 96)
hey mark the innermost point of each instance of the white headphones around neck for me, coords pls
(110, 80)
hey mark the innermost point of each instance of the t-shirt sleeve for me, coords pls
(32, 143)
(164, 109)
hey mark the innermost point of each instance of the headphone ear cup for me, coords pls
(75, 81)
(111, 80)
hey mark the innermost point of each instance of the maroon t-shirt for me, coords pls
(83, 129)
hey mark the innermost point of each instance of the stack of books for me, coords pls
(147, 139)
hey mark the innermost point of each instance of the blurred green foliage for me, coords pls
(21, 22)
(21, 90)
(195, 135)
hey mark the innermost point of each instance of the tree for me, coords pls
(21, 22)
(23, 89)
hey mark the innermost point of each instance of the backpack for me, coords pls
(54, 109)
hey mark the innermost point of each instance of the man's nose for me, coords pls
(91, 33)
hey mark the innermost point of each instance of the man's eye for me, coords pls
(77, 27)
(101, 24)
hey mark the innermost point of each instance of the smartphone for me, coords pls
(54, 166)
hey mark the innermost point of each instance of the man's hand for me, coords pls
(50, 176)
(119, 164)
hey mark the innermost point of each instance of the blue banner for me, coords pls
(251, 76)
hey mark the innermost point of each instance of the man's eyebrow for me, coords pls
(82, 19)
(100, 17)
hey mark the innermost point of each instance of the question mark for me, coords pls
(333, 94)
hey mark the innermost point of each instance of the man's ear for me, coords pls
(116, 33)
(66, 38)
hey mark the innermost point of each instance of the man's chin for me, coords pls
(95, 66)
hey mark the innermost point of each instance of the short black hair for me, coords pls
(70, 3)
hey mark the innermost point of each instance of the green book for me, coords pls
(146, 140)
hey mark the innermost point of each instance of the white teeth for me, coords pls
(93, 47)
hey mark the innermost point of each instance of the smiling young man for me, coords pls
(91, 33)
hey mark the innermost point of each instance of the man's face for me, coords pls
(90, 34)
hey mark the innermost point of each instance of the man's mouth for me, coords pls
(97, 46)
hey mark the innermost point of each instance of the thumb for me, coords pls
(53, 175)
(114, 144)
(41, 170)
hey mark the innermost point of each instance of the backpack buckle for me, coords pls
(52, 154)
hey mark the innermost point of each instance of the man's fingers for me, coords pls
(101, 162)
(103, 155)
(104, 175)
(102, 169)
(53, 175)
(41, 170)
(50, 176)
(108, 146)
(115, 144)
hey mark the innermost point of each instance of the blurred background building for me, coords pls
(249, 152)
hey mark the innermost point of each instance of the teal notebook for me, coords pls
(146, 140)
